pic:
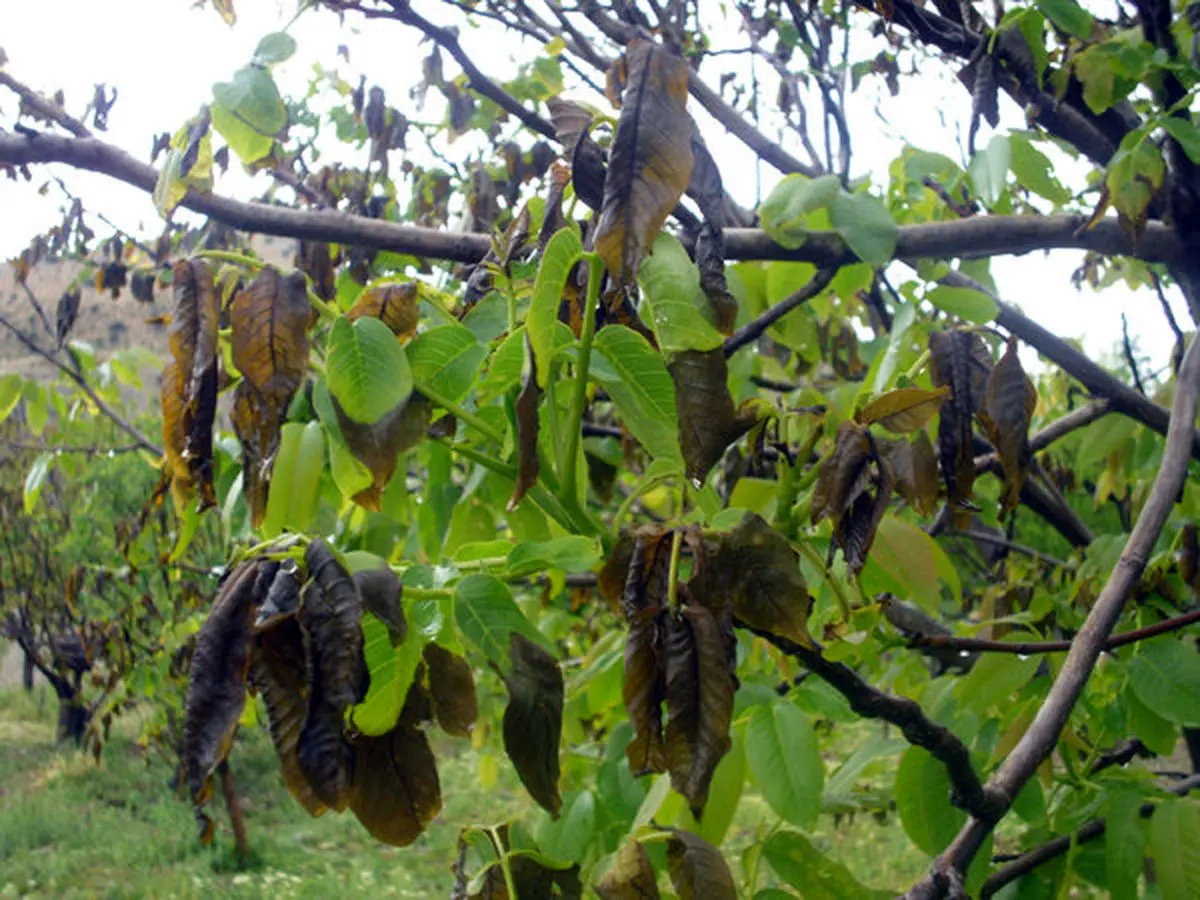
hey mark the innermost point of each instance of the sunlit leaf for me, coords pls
(902, 410)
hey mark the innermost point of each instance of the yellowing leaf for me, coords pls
(904, 409)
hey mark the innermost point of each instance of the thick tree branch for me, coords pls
(1028, 648)
(1039, 856)
(1039, 741)
(979, 236)
(906, 714)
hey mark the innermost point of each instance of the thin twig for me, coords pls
(58, 448)
(44, 107)
(1029, 648)
(1130, 359)
(1001, 541)
(753, 329)
(1177, 353)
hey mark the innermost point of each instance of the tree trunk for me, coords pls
(73, 720)
(27, 672)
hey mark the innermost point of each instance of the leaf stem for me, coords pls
(418, 593)
(459, 413)
(579, 397)
(811, 555)
(916, 367)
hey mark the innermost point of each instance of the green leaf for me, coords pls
(504, 371)
(574, 553)
(1033, 169)
(785, 762)
(1033, 27)
(968, 304)
(446, 359)
(784, 214)
(566, 840)
(897, 342)
(993, 681)
(275, 48)
(562, 252)
(37, 407)
(923, 801)
(988, 170)
(10, 394)
(367, 370)
(907, 554)
(249, 145)
(252, 100)
(35, 480)
(1175, 848)
(349, 474)
(1159, 735)
(392, 670)
(1068, 15)
(866, 226)
(809, 871)
(1124, 843)
(295, 478)
(679, 309)
(1165, 676)
(637, 380)
(1186, 133)
(487, 617)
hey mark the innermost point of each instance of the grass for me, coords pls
(70, 827)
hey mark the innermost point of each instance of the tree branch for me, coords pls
(1029, 648)
(753, 329)
(906, 714)
(44, 108)
(1038, 742)
(1027, 862)
(999, 541)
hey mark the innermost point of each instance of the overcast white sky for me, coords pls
(164, 56)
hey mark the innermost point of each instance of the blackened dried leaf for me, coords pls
(755, 569)
(651, 159)
(217, 687)
(708, 421)
(615, 572)
(529, 464)
(960, 361)
(452, 690)
(378, 445)
(533, 719)
(844, 475)
(380, 590)
(315, 259)
(396, 304)
(65, 315)
(279, 672)
(1008, 409)
(716, 686)
(329, 615)
(281, 600)
(396, 792)
(644, 600)
(913, 468)
(188, 415)
(553, 219)
(706, 189)
(855, 533)
(588, 167)
(631, 876)
(683, 698)
(698, 870)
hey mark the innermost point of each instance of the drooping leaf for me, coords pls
(281, 601)
(643, 594)
(270, 348)
(698, 870)
(378, 446)
(396, 792)
(396, 304)
(559, 258)
(1124, 844)
(961, 362)
(217, 687)
(278, 672)
(380, 590)
(391, 668)
(715, 685)
(631, 876)
(913, 467)
(844, 475)
(329, 615)
(785, 761)
(923, 801)
(529, 464)
(367, 371)
(678, 308)
(189, 392)
(902, 410)
(641, 389)
(1175, 847)
(296, 478)
(706, 188)
(708, 420)
(451, 690)
(651, 161)
(249, 112)
(1008, 409)
(487, 616)
(35, 480)
(533, 719)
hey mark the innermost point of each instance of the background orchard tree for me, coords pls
(550, 441)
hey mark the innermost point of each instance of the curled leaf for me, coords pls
(529, 465)
(217, 687)
(651, 160)
(631, 876)
(379, 445)
(714, 704)
(708, 421)
(396, 791)
(961, 362)
(451, 690)
(396, 304)
(902, 410)
(533, 719)
(380, 590)
(698, 870)
(281, 599)
(913, 467)
(644, 599)
(1008, 409)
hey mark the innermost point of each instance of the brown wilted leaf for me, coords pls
(755, 569)
(189, 392)
(708, 421)
(706, 188)
(613, 575)
(529, 464)
(644, 601)
(531, 876)
(396, 304)
(330, 615)
(698, 870)
(913, 467)
(844, 475)
(315, 259)
(65, 315)
(902, 410)
(1008, 409)
(651, 160)
(380, 591)
(378, 446)
(961, 362)
(451, 690)
(217, 687)
(279, 672)
(281, 597)
(631, 876)
(553, 219)
(396, 791)
(588, 167)
(683, 698)
(533, 719)
(714, 704)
